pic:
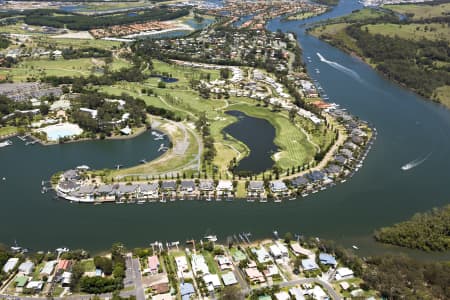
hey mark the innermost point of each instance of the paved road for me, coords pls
(333, 294)
(136, 268)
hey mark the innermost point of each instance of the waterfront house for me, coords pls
(182, 265)
(127, 191)
(333, 170)
(48, 268)
(327, 259)
(344, 273)
(10, 264)
(357, 139)
(299, 250)
(346, 152)
(339, 159)
(299, 181)
(224, 262)
(71, 175)
(26, 268)
(278, 186)
(262, 256)
(206, 188)
(309, 264)
(106, 192)
(225, 189)
(153, 264)
(199, 265)
(229, 279)
(169, 190)
(68, 187)
(148, 191)
(315, 176)
(256, 187)
(188, 189)
(64, 265)
(86, 191)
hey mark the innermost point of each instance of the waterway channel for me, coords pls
(379, 194)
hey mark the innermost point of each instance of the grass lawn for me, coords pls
(212, 265)
(88, 265)
(434, 31)
(169, 161)
(46, 67)
(302, 16)
(8, 130)
(421, 11)
(77, 43)
(360, 15)
(336, 32)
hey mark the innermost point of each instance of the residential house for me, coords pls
(26, 268)
(309, 264)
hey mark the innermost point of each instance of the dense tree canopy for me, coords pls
(428, 231)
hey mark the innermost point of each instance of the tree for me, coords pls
(288, 237)
(232, 293)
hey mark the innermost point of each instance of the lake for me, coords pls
(258, 135)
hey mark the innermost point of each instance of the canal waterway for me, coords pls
(258, 135)
(378, 195)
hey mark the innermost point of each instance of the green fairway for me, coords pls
(46, 67)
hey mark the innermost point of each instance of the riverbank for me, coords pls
(362, 36)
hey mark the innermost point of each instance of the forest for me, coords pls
(62, 19)
(409, 62)
(401, 277)
(429, 231)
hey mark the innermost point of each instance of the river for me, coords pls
(378, 195)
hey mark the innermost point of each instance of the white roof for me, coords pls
(344, 272)
(212, 279)
(225, 185)
(275, 250)
(181, 262)
(319, 293)
(26, 267)
(36, 285)
(10, 264)
(297, 293)
(48, 268)
(199, 264)
(229, 278)
(282, 296)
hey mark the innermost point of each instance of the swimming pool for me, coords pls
(57, 131)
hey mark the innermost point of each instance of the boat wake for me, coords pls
(339, 67)
(415, 163)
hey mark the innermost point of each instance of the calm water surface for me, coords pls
(258, 135)
(380, 194)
